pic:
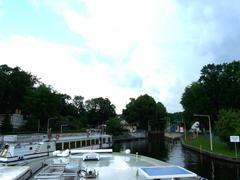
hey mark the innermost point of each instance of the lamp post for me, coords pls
(48, 122)
(210, 129)
(185, 130)
(63, 125)
(38, 125)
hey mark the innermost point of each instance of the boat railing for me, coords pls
(27, 138)
(23, 138)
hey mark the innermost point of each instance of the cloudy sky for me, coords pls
(119, 48)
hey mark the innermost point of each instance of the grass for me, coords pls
(203, 142)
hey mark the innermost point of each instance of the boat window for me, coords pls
(88, 142)
(92, 141)
(83, 143)
(66, 145)
(18, 146)
(58, 146)
(4, 151)
(48, 146)
(104, 140)
(78, 144)
(72, 145)
(30, 148)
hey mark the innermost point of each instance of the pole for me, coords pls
(48, 122)
(48, 125)
(236, 150)
(38, 125)
(210, 128)
(185, 131)
(210, 131)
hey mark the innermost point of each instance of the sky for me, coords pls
(119, 49)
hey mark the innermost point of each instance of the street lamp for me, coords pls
(185, 130)
(48, 122)
(63, 125)
(210, 129)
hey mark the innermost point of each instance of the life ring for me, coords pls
(57, 136)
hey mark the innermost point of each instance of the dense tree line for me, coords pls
(42, 106)
(21, 91)
(216, 93)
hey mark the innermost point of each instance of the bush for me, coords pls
(228, 124)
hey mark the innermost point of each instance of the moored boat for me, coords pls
(19, 148)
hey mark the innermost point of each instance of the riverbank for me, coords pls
(220, 150)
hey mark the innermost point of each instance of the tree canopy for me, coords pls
(228, 124)
(99, 110)
(14, 84)
(145, 112)
(218, 88)
(114, 126)
(19, 90)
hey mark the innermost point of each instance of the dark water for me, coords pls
(174, 154)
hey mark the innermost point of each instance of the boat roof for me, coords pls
(13, 172)
(116, 166)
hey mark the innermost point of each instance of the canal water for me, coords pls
(175, 154)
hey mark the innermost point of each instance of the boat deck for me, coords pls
(111, 166)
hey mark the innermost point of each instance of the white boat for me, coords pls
(15, 172)
(101, 164)
(19, 148)
(110, 166)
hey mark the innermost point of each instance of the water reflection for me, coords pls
(173, 153)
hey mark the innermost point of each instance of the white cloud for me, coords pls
(151, 28)
(57, 66)
(113, 27)
(161, 45)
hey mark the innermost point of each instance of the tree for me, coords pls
(41, 104)
(114, 126)
(78, 103)
(99, 110)
(217, 88)
(14, 84)
(6, 126)
(228, 124)
(145, 111)
(194, 101)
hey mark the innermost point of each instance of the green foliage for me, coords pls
(145, 111)
(14, 84)
(79, 104)
(99, 110)
(114, 126)
(6, 126)
(37, 102)
(42, 103)
(219, 147)
(228, 124)
(217, 88)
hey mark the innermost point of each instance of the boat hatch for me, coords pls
(91, 156)
(59, 171)
(4, 150)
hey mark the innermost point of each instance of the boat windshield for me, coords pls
(4, 150)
